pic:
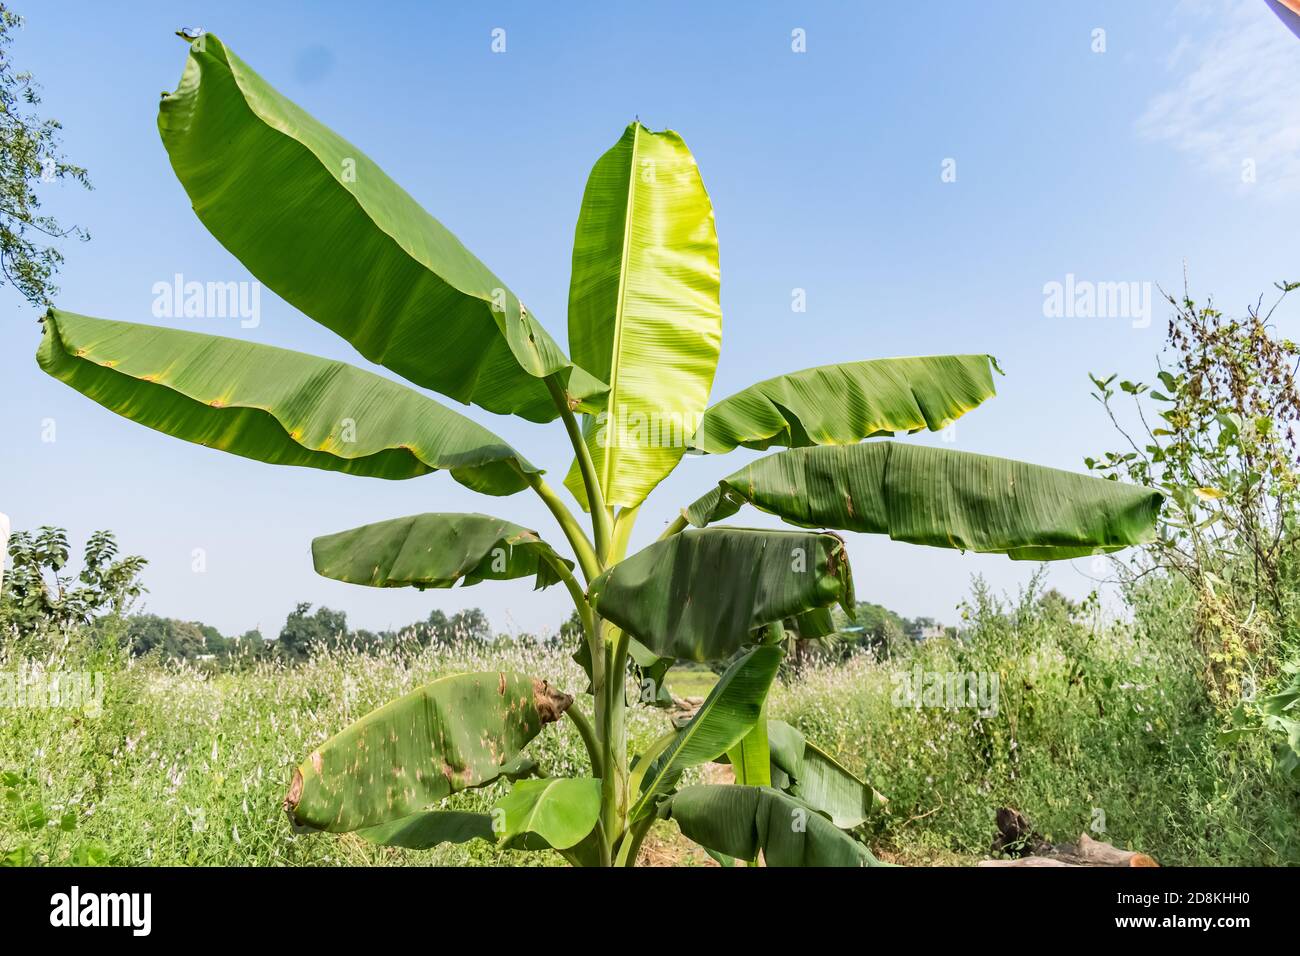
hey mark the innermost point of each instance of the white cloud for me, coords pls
(1235, 98)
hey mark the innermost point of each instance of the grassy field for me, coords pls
(1097, 725)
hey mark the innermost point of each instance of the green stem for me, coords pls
(577, 538)
(678, 524)
(623, 523)
(600, 516)
(614, 796)
(631, 845)
(588, 735)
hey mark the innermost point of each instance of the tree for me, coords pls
(37, 594)
(1217, 434)
(247, 647)
(303, 630)
(313, 218)
(1216, 431)
(884, 632)
(182, 640)
(468, 627)
(30, 157)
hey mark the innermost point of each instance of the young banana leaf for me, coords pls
(648, 323)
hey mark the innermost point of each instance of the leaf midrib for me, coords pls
(607, 464)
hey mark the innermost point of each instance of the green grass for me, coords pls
(1094, 716)
(690, 681)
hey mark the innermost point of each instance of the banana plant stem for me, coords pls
(678, 524)
(588, 735)
(632, 840)
(600, 516)
(577, 538)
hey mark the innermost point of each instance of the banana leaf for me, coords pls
(644, 309)
(819, 780)
(559, 810)
(700, 594)
(453, 734)
(318, 222)
(422, 831)
(843, 404)
(741, 821)
(727, 715)
(273, 405)
(436, 551)
(941, 498)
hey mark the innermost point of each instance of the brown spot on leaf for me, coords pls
(501, 684)
(315, 760)
(295, 793)
(550, 703)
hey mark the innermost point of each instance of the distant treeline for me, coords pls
(40, 595)
(303, 630)
(877, 630)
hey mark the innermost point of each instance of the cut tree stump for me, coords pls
(1017, 838)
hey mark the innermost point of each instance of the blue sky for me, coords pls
(826, 170)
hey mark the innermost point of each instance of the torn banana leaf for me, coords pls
(942, 498)
(450, 735)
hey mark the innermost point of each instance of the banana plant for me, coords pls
(322, 225)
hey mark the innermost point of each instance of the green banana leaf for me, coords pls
(436, 551)
(643, 761)
(455, 733)
(318, 222)
(942, 498)
(644, 309)
(272, 404)
(699, 595)
(723, 720)
(739, 821)
(843, 404)
(422, 831)
(651, 674)
(751, 759)
(819, 622)
(559, 810)
(649, 667)
(819, 780)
